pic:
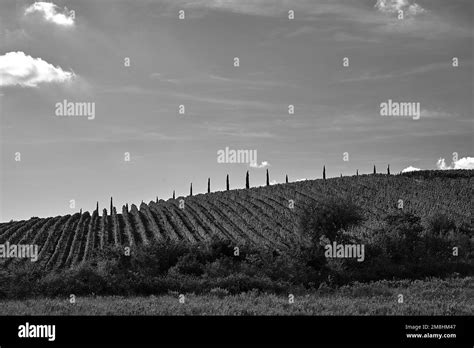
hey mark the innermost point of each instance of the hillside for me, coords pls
(260, 216)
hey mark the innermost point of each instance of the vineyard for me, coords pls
(263, 216)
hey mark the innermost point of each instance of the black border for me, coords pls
(230, 330)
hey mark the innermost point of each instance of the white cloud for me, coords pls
(17, 68)
(393, 6)
(465, 163)
(410, 169)
(441, 164)
(415, 9)
(264, 164)
(50, 13)
(273, 182)
(268, 8)
(462, 163)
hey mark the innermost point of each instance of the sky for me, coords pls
(134, 63)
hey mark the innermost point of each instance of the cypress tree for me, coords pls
(103, 228)
(268, 179)
(191, 189)
(174, 195)
(357, 172)
(111, 205)
(227, 182)
(208, 185)
(286, 179)
(156, 199)
(247, 180)
(341, 175)
(324, 172)
(375, 172)
(388, 170)
(97, 208)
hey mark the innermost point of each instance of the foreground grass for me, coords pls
(453, 296)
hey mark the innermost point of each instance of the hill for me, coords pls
(263, 216)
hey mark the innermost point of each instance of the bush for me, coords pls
(440, 225)
(329, 219)
(400, 237)
(158, 257)
(218, 292)
(401, 248)
(189, 264)
(83, 280)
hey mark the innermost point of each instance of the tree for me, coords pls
(97, 208)
(399, 237)
(208, 185)
(388, 169)
(247, 180)
(375, 171)
(329, 219)
(357, 172)
(227, 182)
(174, 197)
(191, 189)
(440, 224)
(111, 205)
(324, 172)
(286, 179)
(268, 179)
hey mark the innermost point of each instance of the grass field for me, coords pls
(454, 296)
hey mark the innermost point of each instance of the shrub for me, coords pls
(218, 292)
(189, 264)
(400, 237)
(158, 257)
(329, 219)
(439, 225)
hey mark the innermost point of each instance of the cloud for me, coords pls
(17, 68)
(462, 163)
(273, 182)
(410, 169)
(303, 8)
(267, 8)
(253, 7)
(394, 6)
(49, 12)
(161, 77)
(264, 164)
(423, 69)
(436, 114)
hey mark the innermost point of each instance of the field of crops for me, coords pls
(265, 216)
